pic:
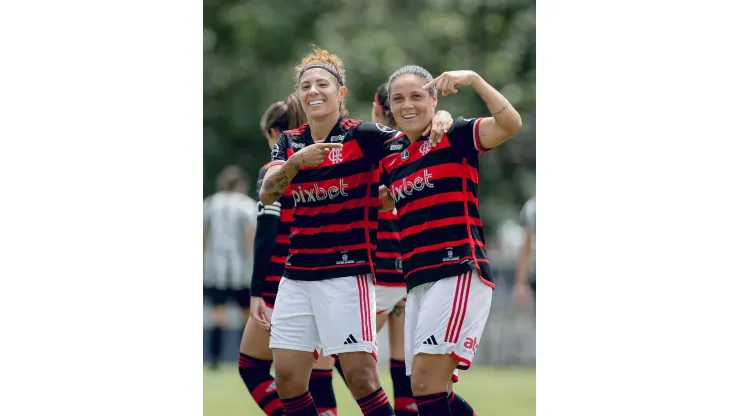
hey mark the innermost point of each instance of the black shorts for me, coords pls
(218, 297)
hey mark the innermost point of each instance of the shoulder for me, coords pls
(295, 132)
(464, 124)
(368, 128)
(350, 123)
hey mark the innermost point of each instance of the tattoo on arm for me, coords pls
(501, 110)
(399, 310)
(275, 184)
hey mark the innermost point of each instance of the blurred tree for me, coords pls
(251, 47)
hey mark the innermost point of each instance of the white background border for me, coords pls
(101, 167)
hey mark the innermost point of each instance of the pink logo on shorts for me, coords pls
(471, 344)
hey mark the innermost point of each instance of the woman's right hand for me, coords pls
(258, 312)
(314, 154)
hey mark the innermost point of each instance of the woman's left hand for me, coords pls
(438, 127)
(450, 81)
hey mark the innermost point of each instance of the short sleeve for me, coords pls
(463, 135)
(260, 178)
(385, 178)
(371, 137)
(279, 152)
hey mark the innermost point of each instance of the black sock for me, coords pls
(302, 405)
(433, 404)
(376, 404)
(322, 391)
(256, 376)
(459, 406)
(341, 373)
(403, 398)
(217, 335)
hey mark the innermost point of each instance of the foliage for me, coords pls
(251, 47)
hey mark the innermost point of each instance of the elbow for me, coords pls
(264, 198)
(516, 123)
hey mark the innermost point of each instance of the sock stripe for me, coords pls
(245, 361)
(298, 403)
(398, 363)
(273, 406)
(425, 400)
(372, 402)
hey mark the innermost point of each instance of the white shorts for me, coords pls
(447, 317)
(336, 315)
(387, 297)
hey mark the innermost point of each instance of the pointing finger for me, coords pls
(431, 84)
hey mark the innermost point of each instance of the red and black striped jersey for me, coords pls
(388, 264)
(271, 242)
(335, 219)
(436, 194)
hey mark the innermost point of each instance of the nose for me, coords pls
(313, 90)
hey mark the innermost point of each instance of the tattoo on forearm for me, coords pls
(275, 184)
(501, 110)
(399, 310)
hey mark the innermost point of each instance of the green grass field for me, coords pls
(491, 391)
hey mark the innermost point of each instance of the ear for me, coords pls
(434, 101)
(342, 93)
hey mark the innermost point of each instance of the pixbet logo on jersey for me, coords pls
(407, 187)
(313, 194)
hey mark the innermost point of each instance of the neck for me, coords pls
(413, 136)
(321, 127)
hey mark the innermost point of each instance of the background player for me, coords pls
(435, 190)
(229, 218)
(326, 297)
(270, 251)
(526, 277)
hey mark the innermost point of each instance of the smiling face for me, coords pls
(411, 104)
(319, 93)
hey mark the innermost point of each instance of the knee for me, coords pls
(288, 382)
(424, 382)
(362, 380)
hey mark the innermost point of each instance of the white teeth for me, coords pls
(409, 117)
(315, 102)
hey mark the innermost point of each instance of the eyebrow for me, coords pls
(317, 80)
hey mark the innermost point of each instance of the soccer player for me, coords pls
(435, 191)
(390, 288)
(525, 285)
(229, 218)
(270, 251)
(326, 298)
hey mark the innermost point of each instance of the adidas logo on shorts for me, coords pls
(430, 341)
(350, 340)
